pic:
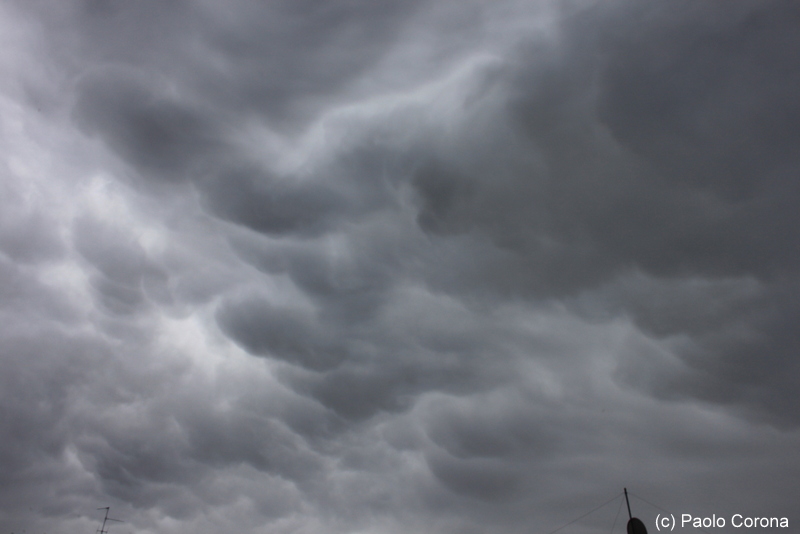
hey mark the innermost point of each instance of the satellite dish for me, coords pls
(635, 526)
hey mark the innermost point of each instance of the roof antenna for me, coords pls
(635, 525)
(103, 529)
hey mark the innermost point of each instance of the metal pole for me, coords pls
(103, 528)
(106, 519)
(630, 516)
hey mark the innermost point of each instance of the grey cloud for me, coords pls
(669, 99)
(116, 255)
(117, 298)
(349, 278)
(717, 131)
(473, 300)
(358, 394)
(25, 298)
(747, 360)
(286, 57)
(170, 141)
(283, 60)
(264, 444)
(483, 479)
(587, 206)
(40, 370)
(287, 334)
(125, 277)
(361, 367)
(27, 233)
(269, 204)
(441, 190)
(30, 239)
(480, 431)
(162, 137)
(631, 169)
(387, 376)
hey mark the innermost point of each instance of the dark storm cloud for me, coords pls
(40, 368)
(252, 281)
(169, 141)
(659, 158)
(743, 356)
(281, 333)
(591, 195)
(347, 280)
(486, 480)
(312, 49)
(269, 205)
(730, 73)
(360, 366)
(441, 190)
(705, 107)
(159, 135)
(283, 59)
(714, 117)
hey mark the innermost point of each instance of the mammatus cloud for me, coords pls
(373, 267)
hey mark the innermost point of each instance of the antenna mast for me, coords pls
(106, 519)
(635, 525)
(630, 516)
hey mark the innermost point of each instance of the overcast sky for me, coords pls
(380, 267)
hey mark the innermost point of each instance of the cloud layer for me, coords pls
(385, 266)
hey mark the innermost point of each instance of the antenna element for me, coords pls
(106, 519)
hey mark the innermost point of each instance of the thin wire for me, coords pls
(619, 508)
(587, 513)
(662, 509)
(648, 502)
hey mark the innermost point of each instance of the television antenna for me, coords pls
(635, 525)
(106, 519)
